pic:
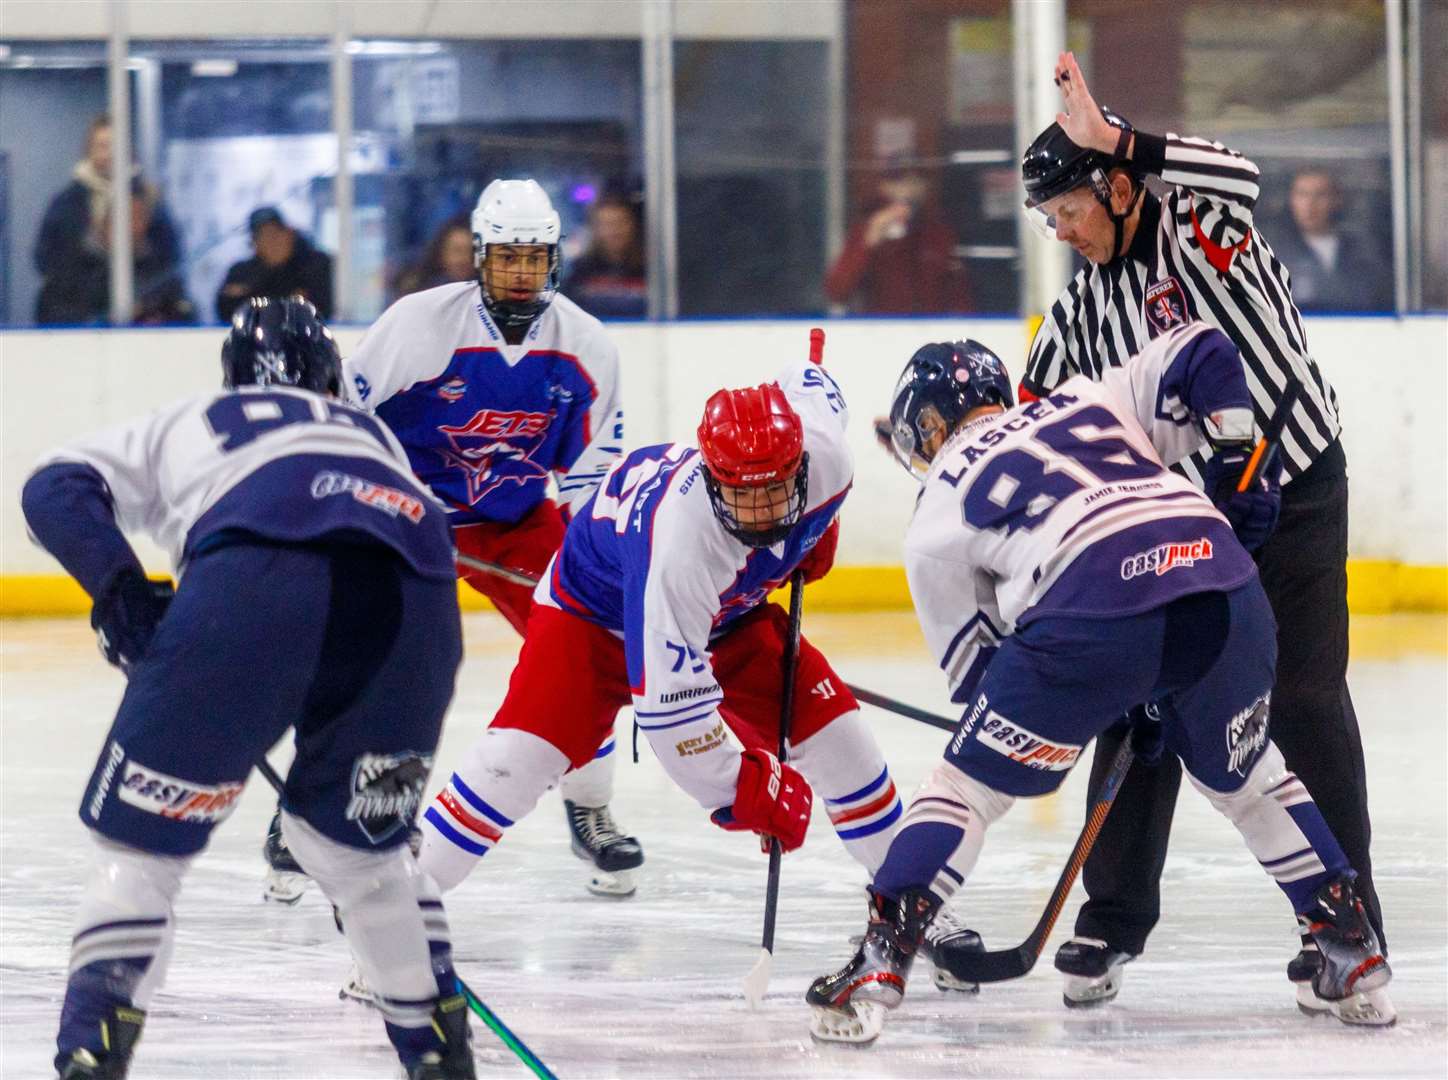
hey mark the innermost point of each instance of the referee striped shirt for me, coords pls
(1195, 255)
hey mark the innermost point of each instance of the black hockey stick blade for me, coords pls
(880, 701)
(1003, 964)
(1266, 447)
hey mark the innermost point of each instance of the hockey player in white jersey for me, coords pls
(1063, 576)
(316, 590)
(493, 386)
(658, 598)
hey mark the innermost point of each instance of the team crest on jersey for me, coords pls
(496, 447)
(453, 389)
(1166, 305)
(386, 792)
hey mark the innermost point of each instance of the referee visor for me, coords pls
(1053, 165)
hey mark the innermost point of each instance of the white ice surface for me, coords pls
(651, 986)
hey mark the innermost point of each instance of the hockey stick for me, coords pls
(880, 701)
(1002, 964)
(1266, 448)
(517, 577)
(475, 1003)
(757, 981)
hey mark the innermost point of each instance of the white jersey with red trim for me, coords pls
(486, 423)
(647, 558)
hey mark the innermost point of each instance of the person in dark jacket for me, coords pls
(608, 280)
(285, 265)
(1332, 270)
(72, 249)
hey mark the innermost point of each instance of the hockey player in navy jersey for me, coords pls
(658, 598)
(493, 386)
(1063, 576)
(316, 590)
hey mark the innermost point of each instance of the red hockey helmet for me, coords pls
(752, 443)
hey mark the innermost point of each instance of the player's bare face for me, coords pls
(1083, 222)
(758, 509)
(517, 272)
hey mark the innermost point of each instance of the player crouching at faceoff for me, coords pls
(658, 598)
(492, 385)
(317, 590)
(1063, 576)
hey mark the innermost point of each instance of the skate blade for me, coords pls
(1366, 1008)
(618, 884)
(1081, 993)
(284, 887)
(944, 980)
(858, 1023)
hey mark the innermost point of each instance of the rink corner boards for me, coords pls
(1374, 588)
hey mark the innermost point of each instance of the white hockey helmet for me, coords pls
(516, 212)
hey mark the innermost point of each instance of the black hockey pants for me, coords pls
(1303, 570)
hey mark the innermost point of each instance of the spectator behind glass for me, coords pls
(285, 264)
(1331, 270)
(608, 280)
(80, 292)
(448, 259)
(75, 240)
(899, 259)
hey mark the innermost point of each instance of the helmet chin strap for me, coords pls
(1119, 220)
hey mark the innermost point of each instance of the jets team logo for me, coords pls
(496, 447)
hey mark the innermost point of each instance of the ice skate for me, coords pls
(454, 1061)
(120, 1031)
(1093, 971)
(1352, 977)
(286, 881)
(596, 839)
(947, 935)
(850, 1004)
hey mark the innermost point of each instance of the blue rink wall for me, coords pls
(1391, 376)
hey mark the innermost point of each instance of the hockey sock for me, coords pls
(498, 782)
(941, 834)
(122, 943)
(591, 784)
(845, 767)
(376, 894)
(1282, 827)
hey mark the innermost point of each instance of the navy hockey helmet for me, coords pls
(280, 342)
(939, 387)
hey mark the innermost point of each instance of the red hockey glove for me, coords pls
(771, 799)
(816, 564)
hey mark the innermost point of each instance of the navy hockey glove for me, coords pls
(1251, 513)
(126, 614)
(1147, 735)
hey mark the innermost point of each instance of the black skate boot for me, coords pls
(850, 1005)
(1306, 964)
(286, 881)
(454, 1061)
(120, 1031)
(1093, 971)
(947, 936)
(597, 839)
(1352, 978)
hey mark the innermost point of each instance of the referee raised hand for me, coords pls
(1152, 264)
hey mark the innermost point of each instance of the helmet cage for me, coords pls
(514, 313)
(783, 509)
